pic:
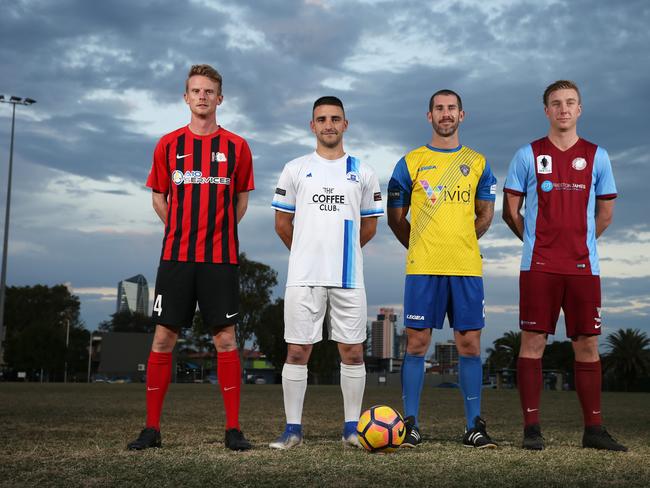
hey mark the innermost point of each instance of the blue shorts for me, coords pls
(428, 298)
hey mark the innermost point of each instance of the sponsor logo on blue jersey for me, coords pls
(547, 186)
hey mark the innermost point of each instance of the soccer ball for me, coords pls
(381, 429)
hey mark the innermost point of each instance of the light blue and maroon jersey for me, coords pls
(560, 190)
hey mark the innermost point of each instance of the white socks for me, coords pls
(294, 384)
(353, 384)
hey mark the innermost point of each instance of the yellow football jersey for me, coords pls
(441, 186)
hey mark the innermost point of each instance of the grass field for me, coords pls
(75, 435)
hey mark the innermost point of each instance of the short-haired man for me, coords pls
(327, 204)
(200, 179)
(450, 192)
(569, 189)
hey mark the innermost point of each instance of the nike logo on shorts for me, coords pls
(230, 315)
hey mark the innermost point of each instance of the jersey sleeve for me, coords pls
(371, 201)
(487, 185)
(400, 186)
(604, 177)
(158, 179)
(516, 181)
(284, 198)
(244, 180)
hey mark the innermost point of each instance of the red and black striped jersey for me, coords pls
(201, 176)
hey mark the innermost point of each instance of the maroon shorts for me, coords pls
(541, 295)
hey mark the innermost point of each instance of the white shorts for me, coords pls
(305, 308)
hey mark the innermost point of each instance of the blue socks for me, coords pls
(349, 428)
(412, 381)
(470, 375)
(293, 429)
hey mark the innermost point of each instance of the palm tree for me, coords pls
(628, 357)
(505, 351)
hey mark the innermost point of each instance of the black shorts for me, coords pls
(180, 285)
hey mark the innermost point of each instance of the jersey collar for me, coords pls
(437, 149)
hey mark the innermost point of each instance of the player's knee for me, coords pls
(417, 341)
(225, 345)
(162, 345)
(351, 355)
(298, 354)
(585, 348)
(225, 340)
(417, 347)
(468, 348)
(532, 344)
(164, 339)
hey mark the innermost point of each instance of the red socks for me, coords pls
(159, 372)
(588, 382)
(229, 377)
(588, 386)
(529, 383)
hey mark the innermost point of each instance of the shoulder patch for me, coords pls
(377, 196)
(281, 191)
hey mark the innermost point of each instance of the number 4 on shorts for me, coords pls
(157, 305)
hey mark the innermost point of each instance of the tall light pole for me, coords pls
(3, 278)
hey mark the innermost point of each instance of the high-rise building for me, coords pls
(383, 334)
(447, 356)
(399, 344)
(133, 295)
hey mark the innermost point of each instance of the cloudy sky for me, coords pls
(109, 76)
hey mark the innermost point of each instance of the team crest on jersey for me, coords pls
(218, 156)
(579, 164)
(464, 169)
(544, 164)
(353, 176)
(177, 177)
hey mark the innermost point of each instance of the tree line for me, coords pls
(625, 362)
(37, 319)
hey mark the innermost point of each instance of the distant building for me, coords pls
(133, 295)
(446, 356)
(399, 344)
(124, 355)
(383, 334)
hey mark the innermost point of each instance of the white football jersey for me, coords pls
(329, 199)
